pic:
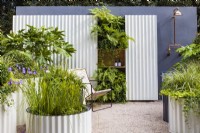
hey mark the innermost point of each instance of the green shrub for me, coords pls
(20, 58)
(40, 43)
(191, 51)
(4, 74)
(183, 83)
(58, 92)
(19, 61)
(110, 30)
(112, 78)
(7, 84)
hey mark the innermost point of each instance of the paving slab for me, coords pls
(131, 117)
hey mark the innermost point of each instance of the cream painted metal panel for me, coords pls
(141, 57)
(8, 115)
(77, 29)
(177, 121)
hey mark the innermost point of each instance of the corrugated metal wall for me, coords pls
(78, 32)
(141, 58)
(178, 123)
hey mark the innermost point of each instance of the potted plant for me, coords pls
(8, 87)
(31, 51)
(55, 103)
(22, 66)
(182, 86)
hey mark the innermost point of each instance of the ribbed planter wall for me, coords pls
(21, 105)
(78, 123)
(20, 108)
(8, 122)
(177, 121)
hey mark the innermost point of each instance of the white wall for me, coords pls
(141, 58)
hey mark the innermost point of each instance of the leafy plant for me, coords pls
(191, 51)
(112, 78)
(183, 83)
(20, 58)
(7, 84)
(110, 30)
(40, 43)
(4, 74)
(22, 65)
(2, 49)
(58, 92)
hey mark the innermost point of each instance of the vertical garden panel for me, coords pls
(77, 30)
(141, 57)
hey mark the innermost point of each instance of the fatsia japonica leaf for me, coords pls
(41, 43)
(109, 29)
(191, 51)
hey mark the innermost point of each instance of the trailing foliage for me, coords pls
(21, 64)
(58, 92)
(183, 83)
(5, 94)
(4, 74)
(114, 79)
(110, 30)
(20, 58)
(7, 84)
(191, 51)
(40, 43)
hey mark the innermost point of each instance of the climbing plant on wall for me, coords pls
(110, 30)
(114, 79)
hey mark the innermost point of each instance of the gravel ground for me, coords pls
(131, 117)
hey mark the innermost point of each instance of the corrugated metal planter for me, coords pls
(8, 116)
(21, 104)
(78, 123)
(20, 108)
(177, 121)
